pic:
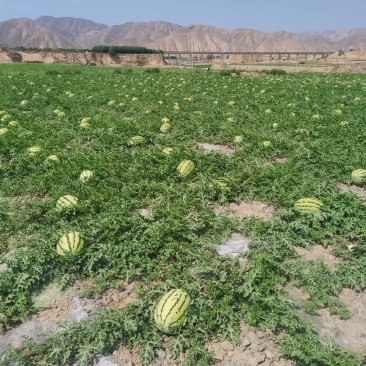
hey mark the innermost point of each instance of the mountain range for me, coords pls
(77, 33)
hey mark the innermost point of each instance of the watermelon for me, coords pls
(185, 168)
(165, 127)
(308, 205)
(238, 139)
(359, 176)
(70, 244)
(136, 140)
(222, 184)
(33, 150)
(66, 201)
(167, 150)
(85, 175)
(53, 158)
(171, 311)
(84, 124)
(3, 131)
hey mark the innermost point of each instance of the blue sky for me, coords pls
(264, 15)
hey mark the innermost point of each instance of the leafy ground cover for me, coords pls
(82, 118)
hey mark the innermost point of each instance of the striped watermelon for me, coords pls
(308, 205)
(165, 127)
(222, 184)
(33, 150)
(171, 310)
(136, 140)
(185, 168)
(66, 201)
(85, 175)
(167, 150)
(84, 124)
(238, 139)
(359, 176)
(53, 158)
(70, 244)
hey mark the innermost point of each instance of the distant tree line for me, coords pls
(98, 49)
(123, 49)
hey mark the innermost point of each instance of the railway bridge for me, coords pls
(246, 57)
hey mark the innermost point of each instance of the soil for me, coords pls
(253, 348)
(215, 147)
(318, 251)
(255, 70)
(348, 62)
(348, 333)
(358, 191)
(110, 299)
(246, 209)
(8, 55)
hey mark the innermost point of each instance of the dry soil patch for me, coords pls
(216, 147)
(69, 306)
(319, 252)
(253, 348)
(246, 209)
(349, 333)
(358, 191)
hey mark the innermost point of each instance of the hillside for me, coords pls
(68, 32)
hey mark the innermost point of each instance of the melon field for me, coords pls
(91, 194)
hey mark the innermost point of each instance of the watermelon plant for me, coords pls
(274, 139)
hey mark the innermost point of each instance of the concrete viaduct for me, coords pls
(248, 56)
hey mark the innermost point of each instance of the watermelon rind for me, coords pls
(167, 150)
(185, 168)
(136, 140)
(165, 127)
(359, 176)
(66, 201)
(308, 205)
(70, 244)
(85, 175)
(238, 139)
(171, 311)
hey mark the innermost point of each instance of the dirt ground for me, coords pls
(344, 62)
(251, 70)
(347, 62)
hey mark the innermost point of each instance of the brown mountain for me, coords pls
(70, 28)
(27, 33)
(67, 32)
(357, 41)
